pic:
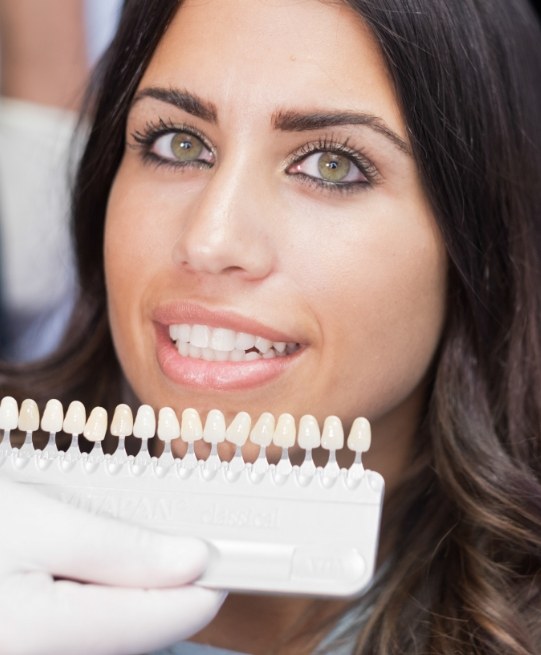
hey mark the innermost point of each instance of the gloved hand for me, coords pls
(72, 582)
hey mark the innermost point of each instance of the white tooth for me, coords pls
(263, 345)
(200, 336)
(222, 339)
(244, 341)
(75, 419)
(96, 425)
(9, 413)
(221, 355)
(122, 423)
(184, 332)
(332, 436)
(263, 430)
(190, 426)
(144, 426)
(360, 435)
(207, 354)
(214, 431)
(183, 348)
(309, 436)
(194, 351)
(239, 429)
(53, 416)
(270, 354)
(279, 346)
(251, 356)
(29, 416)
(174, 332)
(236, 355)
(284, 434)
(168, 425)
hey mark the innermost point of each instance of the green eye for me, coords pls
(333, 167)
(186, 147)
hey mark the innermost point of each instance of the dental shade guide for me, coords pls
(271, 528)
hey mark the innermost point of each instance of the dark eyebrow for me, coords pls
(293, 121)
(188, 102)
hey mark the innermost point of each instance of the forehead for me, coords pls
(266, 53)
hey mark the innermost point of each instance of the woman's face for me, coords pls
(267, 195)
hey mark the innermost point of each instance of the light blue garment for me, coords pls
(187, 648)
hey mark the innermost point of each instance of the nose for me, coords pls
(225, 228)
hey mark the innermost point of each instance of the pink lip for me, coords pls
(221, 376)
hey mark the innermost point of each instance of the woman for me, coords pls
(360, 182)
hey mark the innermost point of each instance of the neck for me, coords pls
(259, 624)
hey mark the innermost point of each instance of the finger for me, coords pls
(47, 535)
(67, 617)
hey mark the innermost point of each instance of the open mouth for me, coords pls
(224, 345)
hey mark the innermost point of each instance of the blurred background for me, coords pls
(47, 48)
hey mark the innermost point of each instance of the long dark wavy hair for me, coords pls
(464, 575)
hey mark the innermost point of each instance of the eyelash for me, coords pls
(145, 140)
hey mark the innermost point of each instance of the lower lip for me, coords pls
(221, 376)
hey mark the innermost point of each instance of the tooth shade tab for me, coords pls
(168, 425)
(360, 435)
(332, 436)
(239, 429)
(309, 434)
(53, 416)
(144, 426)
(284, 433)
(122, 423)
(191, 428)
(263, 431)
(9, 413)
(96, 425)
(28, 416)
(75, 419)
(214, 431)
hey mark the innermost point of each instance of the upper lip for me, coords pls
(174, 313)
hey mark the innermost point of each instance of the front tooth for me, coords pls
(207, 354)
(239, 429)
(190, 426)
(236, 355)
(200, 336)
(183, 347)
(244, 341)
(122, 423)
(174, 332)
(360, 435)
(9, 413)
(145, 423)
(75, 419)
(222, 339)
(168, 425)
(96, 426)
(263, 345)
(263, 430)
(284, 434)
(221, 355)
(184, 332)
(29, 416)
(53, 416)
(251, 356)
(214, 431)
(332, 437)
(194, 351)
(309, 434)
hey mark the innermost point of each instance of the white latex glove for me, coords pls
(134, 600)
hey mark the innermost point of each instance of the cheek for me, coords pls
(380, 300)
